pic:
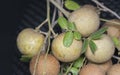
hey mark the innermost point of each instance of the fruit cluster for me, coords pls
(84, 47)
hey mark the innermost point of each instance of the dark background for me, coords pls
(10, 13)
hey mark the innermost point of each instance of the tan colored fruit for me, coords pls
(29, 41)
(104, 66)
(104, 52)
(50, 66)
(114, 70)
(86, 20)
(113, 29)
(66, 54)
(113, 32)
(91, 69)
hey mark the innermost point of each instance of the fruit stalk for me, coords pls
(105, 20)
(47, 37)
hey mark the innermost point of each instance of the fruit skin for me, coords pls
(104, 52)
(29, 41)
(104, 66)
(113, 32)
(113, 29)
(66, 54)
(86, 20)
(91, 69)
(114, 70)
(51, 67)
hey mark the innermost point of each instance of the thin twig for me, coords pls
(66, 13)
(69, 69)
(106, 8)
(105, 20)
(53, 25)
(116, 57)
(45, 33)
(60, 3)
(54, 16)
(49, 33)
(38, 56)
(39, 26)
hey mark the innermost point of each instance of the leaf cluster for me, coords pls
(71, 31)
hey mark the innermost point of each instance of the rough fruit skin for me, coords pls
(29, 41)
(86, 20)
(91, 69)
(51, 67)
(114, 70)
(66, 54)
(104, 66)
(104, 52)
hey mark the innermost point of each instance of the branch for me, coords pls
(66, 13)
(118, 58)
(106, 9)
(39, 26)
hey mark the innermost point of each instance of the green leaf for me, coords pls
(116, 42)
(68, 38)
(97, 34)
(71, 26)
(74, 71)
(85, 45)
(79, 62)
(71, 5)
(93, 46)
(62, 22)
(25, 58)
(77, 35)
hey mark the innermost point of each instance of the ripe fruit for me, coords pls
(50, 66)
(104, 52)
(91, 69)
(114, 70)
(113, 29)
(66, 54)
(86, 19)
(29, 41)
(104, 66)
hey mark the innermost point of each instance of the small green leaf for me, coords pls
(71, 5)
(116, 42)
(68, 38)
(62, 22)
(71, 26)
(77, 35)
(74, 71)
(93, 46)
(79, 62)
(97, 34)
(85, 45)
(25, 58)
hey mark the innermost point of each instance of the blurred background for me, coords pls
(16, 15)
